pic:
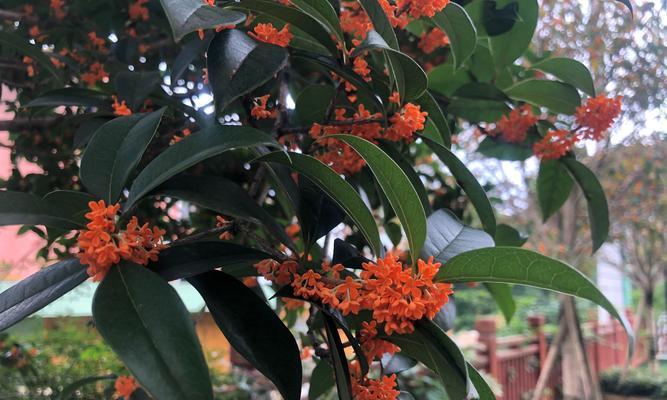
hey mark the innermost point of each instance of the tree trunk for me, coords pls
(650, 325)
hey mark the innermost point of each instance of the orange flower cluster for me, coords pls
(360, 66)
(102, 244)
(593, 119)
(125, 386)
(96, 43)
(597, 115)
(29, 66)
(554, 144)
(121, 108)
(138, 11)
(373, 347)
(222, 222)
(95, 73)
(269, 34)
(341, 157)
(383, 388)
(406, 122)
(433, 40)
(184, 133)
(57, 8)
(259, 110)
(353, 20)
(421, 8)
(277, 272)
(514, 128)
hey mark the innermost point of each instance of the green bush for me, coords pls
(636, 382)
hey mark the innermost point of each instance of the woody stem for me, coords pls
(305, 129)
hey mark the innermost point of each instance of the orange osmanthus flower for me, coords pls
(597, 115)
(514, 128)
(433, 40)
(121, 108)
(269, 34)
(57, 8)
(395, 98)
(383, 388)
(96, 43)
(405, 123)
(125, 386)
(259, 110)
(361, 68)
(554, 145)
(138, 11)
(96, 73)
(278, 272)
(222, 222)
(102, 245)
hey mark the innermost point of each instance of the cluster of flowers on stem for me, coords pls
(102, 244)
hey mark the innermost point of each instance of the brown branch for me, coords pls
(305, 129)
(16, 16)
(25, 123)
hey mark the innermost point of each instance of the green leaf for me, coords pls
(493, 147)
(380, 22)
(558, 97)
(502, 295)
(253, 329)
(321, 380)
(70, 390)
(397, 187)
(238, 64)
(554, 185)
(222, 196)
(18, 43)
(524, 267)
(191, 150)
(147, 325)
(187, 16)
(185, 259)
(70, 204)
(190, 51)
(436, 117)
(338, 358)
(446, 79)
(294, 17)
(483, 389)
(456, 23)
(508, 236)
(337, 188)
(324, 13)
(135, 87)
(466, 180)
(410, 172)
(39, 290)
(477, 110)
(115, 151)
(19, 208)
(446, 237)
(569, 71)
(71, 97)
(598, 211)
(312, 104)
(432, 347)
(409, 77)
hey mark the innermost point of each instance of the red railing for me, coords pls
(515, 361)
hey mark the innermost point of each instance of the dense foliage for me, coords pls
(305, 148)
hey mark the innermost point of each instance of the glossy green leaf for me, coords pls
(147, 325)
(410, 172)
(187, 16)
(435, 117)
(321, 380)
(409, 77)
(598, 210)
(185, 259)
(324, 13)
(135, 87)
(456, 23)
(508, 236)
(445, 79)
(554, 185)
(558, 97)
(339, 360)
(380, 22)
(468, 183)
(447, 237)
(19, 208)
(191, 150)
(502, 295)
(19, 44)
(222, 196)
(39, 290)
(483, 389)
(432, 347)
(569, 71)
(397, 187)
(115, 151)
(294, 17)
(496, 148)
(71, 96)
(253, 329)
(477, 110)
(238, 64)
(337, 188)
(524, 267)
(70, 204)
(312, 104)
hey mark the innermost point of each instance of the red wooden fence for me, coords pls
(515, 361)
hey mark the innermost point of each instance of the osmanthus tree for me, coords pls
(322, 113)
